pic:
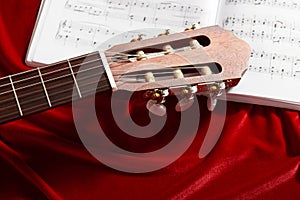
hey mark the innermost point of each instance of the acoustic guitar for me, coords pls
(205, 61)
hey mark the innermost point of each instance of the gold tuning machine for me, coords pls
(138, 38)
(194, 26)
(188, 99)
(167, 32)
(156, 101)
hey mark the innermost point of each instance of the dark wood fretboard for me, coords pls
(43, 88)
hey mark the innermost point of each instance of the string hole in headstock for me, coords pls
(159, 74)
(203, 40)
(173, 46)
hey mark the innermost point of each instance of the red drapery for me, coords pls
(42, 157)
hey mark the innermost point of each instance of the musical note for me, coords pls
(163, 13)
(262, 29)
(285, 4)
(80, 33)
(274, 64)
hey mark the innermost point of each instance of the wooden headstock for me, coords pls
(224, 54)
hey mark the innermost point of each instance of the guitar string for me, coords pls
(60, 100)
(69, 75)
(62, 91)
(43, 97)
(63, 100)
(80, 64)
(41, 89)
(51, 65)
(32, 85)
(65, 83)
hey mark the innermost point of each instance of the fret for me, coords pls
(89, 72)
(30, 92)
(59, 83)
(75, 82)
(45, 89)
(8, 106)
(15, 94)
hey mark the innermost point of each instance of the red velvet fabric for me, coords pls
(42, 157)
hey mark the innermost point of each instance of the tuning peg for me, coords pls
(140, 55)
(185, 104)
(156, 99)
(168, 49)
(158, 109)
(167, 32)
(188, 100)
(214, 91)
(211, 102)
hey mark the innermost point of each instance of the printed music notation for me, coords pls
(275, 64)
(81, 33)
(289, 4)
(168, 12)
(78, 34)
(267, 35)
(277, 31)
(88, 23)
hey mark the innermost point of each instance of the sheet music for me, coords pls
(74, 27)
(272, 29)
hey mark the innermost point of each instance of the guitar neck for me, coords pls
(42, 88)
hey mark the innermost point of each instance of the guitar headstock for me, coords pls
(206, 61)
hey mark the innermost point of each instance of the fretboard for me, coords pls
(42, 88)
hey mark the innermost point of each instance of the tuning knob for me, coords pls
(156, 101)
(214, 91)
(156, 108)
(188, 99)
(184, 104)
(211, 102)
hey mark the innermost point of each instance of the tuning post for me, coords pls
(177, 73)
(205, 70)
(149, 77)
(140, 55)
(194, 44)
(168, 49)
